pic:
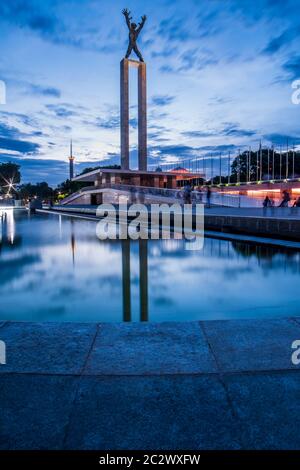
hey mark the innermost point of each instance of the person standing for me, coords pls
(187, 194)
(208, 196)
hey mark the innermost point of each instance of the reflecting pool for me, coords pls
(54, 268)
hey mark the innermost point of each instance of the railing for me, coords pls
(7, 203)
(173, 195)
(73, 196)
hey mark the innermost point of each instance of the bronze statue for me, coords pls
(134, 31)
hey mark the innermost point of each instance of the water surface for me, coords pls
(54, 268)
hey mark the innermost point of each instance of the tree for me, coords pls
(68, 187)
(216, 180)
(262, 165)
(10, 176)
(41, 190)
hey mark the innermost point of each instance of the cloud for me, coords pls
(37, 170)
(281, 139)
(164, 53)
(62, 110)
(113, 122)
(20, 117)
(278, 42)
(191, 59)
(173, 29)
(233, 130)
(11, 139)
(40, 17)
(198, 134)
(189, 151)
(157, 137)
(292, 66)
(229, 130)
(21, 146)
(162, 100)
(45, 91)
(25, 13)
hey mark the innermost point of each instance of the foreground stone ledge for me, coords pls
(195, 385)
(252, 345)
(150, 348)
(50, 348)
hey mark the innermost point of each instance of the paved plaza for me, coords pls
(195, 385)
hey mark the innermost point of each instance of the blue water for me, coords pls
(54, 268)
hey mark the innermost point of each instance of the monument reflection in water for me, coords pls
(54, 268)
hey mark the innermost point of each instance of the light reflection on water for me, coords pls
(53, 268)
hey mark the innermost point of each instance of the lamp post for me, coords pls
(280, 164)
(260, 161)
(249, 154)
(293, 161)
(287, 160)
(229, 167)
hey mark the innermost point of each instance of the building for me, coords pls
(103, 179)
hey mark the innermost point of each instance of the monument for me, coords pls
(134, 31)
(103, 179)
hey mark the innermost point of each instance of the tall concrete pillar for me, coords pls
(143, 258)
(142, 116)
(142, 113)
(124, 92)
(126, 280)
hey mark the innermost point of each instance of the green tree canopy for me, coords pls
(41, 190)
(262, 164)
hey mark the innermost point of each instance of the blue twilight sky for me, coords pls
(219, 78)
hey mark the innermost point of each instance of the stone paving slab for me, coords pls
(150, 386)
(167, 412)
(252, 345)
(35, 410)
(268, 406)
(50, 348)
(150, 348)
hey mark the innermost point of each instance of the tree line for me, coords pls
(10, 178)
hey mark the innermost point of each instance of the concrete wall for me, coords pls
(261, 226)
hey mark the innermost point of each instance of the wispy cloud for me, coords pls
(40, 90)
(281, 139)
(292, 67)
(62, 110)
(162, 100)
(228, 130)
(12, 139)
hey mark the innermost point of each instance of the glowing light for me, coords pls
(10, 226)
